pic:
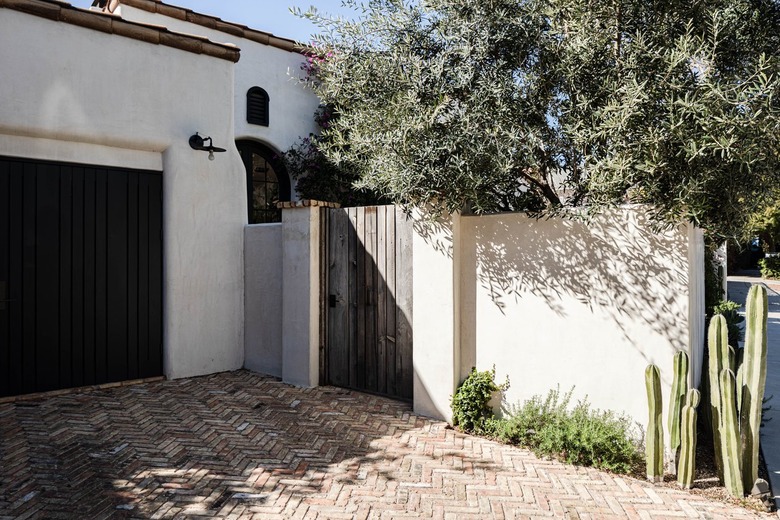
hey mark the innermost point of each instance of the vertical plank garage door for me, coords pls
(80, 275)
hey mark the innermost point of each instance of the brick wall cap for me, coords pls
(308, 203)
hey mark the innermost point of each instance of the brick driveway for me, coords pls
(239, 445)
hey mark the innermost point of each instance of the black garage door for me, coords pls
(80, 275)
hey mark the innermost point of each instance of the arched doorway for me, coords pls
(267, 181)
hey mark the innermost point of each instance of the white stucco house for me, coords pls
(121, 246)
(271, 112)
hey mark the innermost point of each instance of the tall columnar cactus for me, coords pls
(753, 381)
(717, 342)
(677, 399)
(729, 435)
(687, 466)
(740, 378)
(654, 444)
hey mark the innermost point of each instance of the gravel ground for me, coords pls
(707, 483)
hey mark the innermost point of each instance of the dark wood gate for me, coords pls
(367, 280)
(80, 275)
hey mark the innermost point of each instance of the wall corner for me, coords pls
(435, 320)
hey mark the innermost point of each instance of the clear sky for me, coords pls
(265, 15)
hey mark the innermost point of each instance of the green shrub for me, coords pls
(578, 435)
(469, 405)
(730, 311)
(770, 267)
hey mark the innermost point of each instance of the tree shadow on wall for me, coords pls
(615, 264)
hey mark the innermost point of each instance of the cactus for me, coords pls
(740, 379)
(731, 453)
(677, 400)
(654, 444)
(718, 351)
(753, 381)
(732, 360)
(687, 464)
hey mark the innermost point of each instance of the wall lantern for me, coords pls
(199, 143)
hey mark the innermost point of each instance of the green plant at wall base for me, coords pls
(470, 404)
(687, 463)
(578, 435)
(677, 399)
(654, 443)
(770, 268)
(753, 381)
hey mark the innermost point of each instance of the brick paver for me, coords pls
(240, 445)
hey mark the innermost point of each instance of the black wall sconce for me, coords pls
(199, 143)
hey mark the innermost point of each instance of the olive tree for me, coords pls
(546, 105)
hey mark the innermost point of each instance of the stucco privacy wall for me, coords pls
(80, 95)
(554, 302)
(275, 70)
(263, 298)
(562, 302)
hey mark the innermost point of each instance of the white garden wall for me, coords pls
(555, 302)
(550, 303)
(263, 298)
(85, 96)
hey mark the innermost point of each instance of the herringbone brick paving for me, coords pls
(240, 445)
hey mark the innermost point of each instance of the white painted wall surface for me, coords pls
(559, 302)
(301, 296)
(275, 70)
(89, 97)
(263, 298)
(84, 153)
(436, 357)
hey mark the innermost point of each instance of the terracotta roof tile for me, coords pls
(111, 24)
(212, 22)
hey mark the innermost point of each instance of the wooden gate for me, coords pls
(367, 283)
(80, 275)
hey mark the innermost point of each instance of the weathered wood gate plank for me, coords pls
(369, 304)
(381, 299)
(338, 258)
(369, 242)
(404, 366)
(351, 301)
(393, 386)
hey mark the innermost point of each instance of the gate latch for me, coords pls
(334, 299)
